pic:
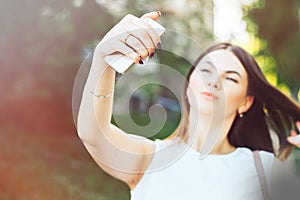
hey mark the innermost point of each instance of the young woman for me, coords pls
(226, 95)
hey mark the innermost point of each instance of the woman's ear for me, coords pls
(246, 105)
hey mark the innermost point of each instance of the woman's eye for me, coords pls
(205, 70)
(232, 79)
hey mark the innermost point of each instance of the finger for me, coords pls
(295, 140)
(132, 54)
(136, 45)
(155, 37)
(145, 37)
(153, 15)
(139, 23)
(124, 49)
(144, 33)
(298, 125)
(293, 133)
(139, 38)
(147, 32)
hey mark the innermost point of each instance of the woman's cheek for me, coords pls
(234, 98)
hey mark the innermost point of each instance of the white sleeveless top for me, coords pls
(177, 173)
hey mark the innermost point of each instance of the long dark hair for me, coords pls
(271, 110)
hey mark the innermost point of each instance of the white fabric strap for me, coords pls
(261, 175)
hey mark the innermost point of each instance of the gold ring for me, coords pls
(126, 38)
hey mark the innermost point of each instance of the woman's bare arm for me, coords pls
(115, 151)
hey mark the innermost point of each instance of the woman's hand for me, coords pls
(132, 37)
(294, 139)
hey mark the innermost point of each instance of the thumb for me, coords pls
(295, 140)
(153, 15)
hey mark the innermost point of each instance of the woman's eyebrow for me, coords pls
(234, 72)
(227, 72)
(211, 64)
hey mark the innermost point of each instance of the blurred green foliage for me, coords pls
(277, 24)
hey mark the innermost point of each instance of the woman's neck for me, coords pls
(208, 133)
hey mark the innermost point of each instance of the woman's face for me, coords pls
(218, 85)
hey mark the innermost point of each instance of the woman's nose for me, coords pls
(214, 86)
(214, 83)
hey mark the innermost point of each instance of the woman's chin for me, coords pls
(209, 110)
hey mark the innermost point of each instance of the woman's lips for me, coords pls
(209, 96)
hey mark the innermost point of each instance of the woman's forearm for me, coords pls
(95, 112)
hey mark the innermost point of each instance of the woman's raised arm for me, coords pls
(123, 156)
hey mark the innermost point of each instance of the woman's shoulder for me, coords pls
(262, 153)
(266, 157)
(267, 160)
(164, 143)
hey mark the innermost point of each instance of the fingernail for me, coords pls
(159, 46)
(159, 13)
(152, 55)
(141, 62)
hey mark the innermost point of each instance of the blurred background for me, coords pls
(42, 45)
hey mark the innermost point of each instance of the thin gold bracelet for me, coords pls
(100, 96)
